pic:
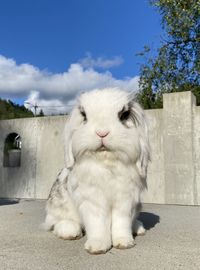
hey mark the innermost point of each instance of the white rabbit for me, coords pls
(107, 152)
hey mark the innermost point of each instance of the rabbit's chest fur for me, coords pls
(102, 177)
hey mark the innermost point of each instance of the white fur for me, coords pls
(100, 189)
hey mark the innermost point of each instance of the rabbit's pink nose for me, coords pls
(102, 134)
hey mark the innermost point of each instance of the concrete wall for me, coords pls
(173, 175)
(42, 156)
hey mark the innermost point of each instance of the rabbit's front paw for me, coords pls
(97, 246)
(68, 230)
(123, 242)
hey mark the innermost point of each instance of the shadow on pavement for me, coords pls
(8, 201)
(149, 220)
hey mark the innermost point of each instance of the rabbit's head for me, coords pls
(107, 120)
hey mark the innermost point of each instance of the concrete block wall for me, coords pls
(173, 175)
(42, 156)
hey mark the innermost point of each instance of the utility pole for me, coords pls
(35, 109)
(35, 106)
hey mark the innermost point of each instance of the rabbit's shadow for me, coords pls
(149, 220)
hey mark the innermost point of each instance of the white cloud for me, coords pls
(54, 89)
(100, 62)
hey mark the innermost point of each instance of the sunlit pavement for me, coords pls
(172, 241)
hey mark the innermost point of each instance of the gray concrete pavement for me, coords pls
(172, 241)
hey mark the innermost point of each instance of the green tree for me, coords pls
(176, 65)
(10, 110)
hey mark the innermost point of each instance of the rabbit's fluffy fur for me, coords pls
(106, 156)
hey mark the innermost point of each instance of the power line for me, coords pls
(52, 107)
(49, 106)
(34, 106)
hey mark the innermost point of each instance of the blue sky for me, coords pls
(55, 41)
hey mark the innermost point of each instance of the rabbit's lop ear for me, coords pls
(141, 124)
(72, 124)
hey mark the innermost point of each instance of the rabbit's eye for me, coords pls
(124, 114)
(82, 112)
